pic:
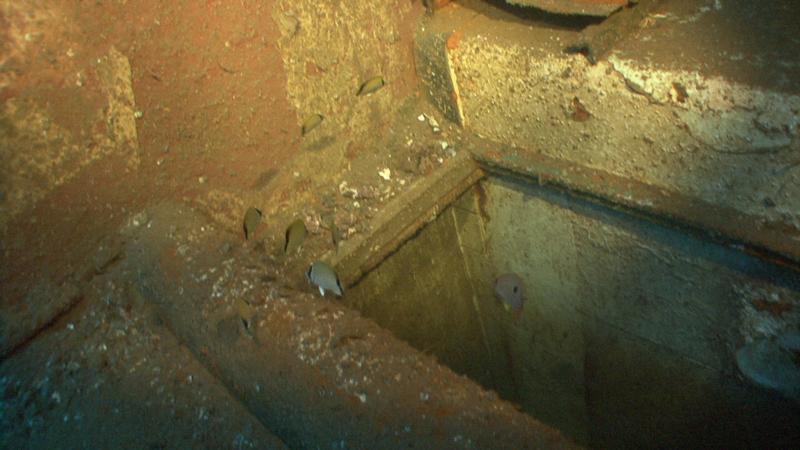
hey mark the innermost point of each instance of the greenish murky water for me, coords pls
(628, 330)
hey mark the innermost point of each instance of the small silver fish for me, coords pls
(246, 312)
(310, 123)
(510, 290)
(251, 220)
(329, 223)
(295, 235)
(336, 235)
(371, 85)
(324, 277)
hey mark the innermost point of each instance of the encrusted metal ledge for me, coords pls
(776, 242)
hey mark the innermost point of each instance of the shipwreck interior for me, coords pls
(400, 224)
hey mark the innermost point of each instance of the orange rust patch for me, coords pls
(352, 151)
(453, 40)
(777, 309)
(312, 69)
(494, 155)
(437, 4)
(454, 96)
(170, 262)
(443, 412)
(579, 112)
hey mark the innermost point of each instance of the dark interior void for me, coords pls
(628, 331)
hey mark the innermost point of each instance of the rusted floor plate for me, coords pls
(311, 370)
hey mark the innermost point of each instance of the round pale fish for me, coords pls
(246, 312)
(336, 235)
(510, 290)
(324, 277)
(330, 225)
(371, 85)
(295, 235)
(310, 123)
(251, 220)
(772, 363)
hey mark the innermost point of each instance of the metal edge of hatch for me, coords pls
(777, 243)
(400, 219)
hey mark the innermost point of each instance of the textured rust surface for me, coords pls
(308, 368)
(405, 216)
